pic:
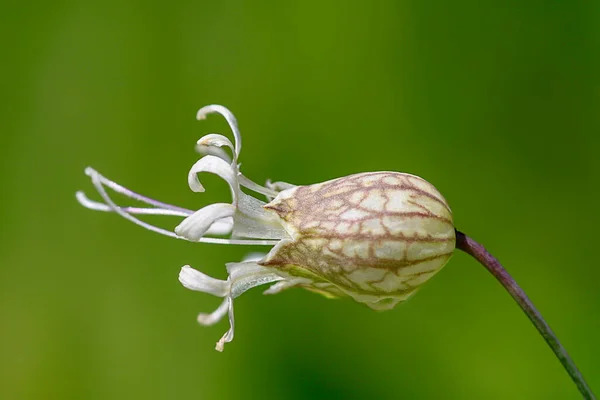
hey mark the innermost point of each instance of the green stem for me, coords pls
(477, 251)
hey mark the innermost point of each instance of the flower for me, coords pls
(375, 237)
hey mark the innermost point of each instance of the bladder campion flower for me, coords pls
(375, 237)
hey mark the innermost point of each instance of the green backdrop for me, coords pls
(496, 104)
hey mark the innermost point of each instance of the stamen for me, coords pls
(254, 242)
(97, 182)
(214, 108)
(89, 171)
(223, 226)
(97, 206)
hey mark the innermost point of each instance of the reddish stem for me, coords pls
(477, 251)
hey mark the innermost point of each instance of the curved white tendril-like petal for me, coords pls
(242, 277)
(195, 280)
(197, 224)
(213, 151)
(228, 336)
(246, 275)
(215, 316)
(216, 166)
(217, 140)
(214, 108)
(223, 226)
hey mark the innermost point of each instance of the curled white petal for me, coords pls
(228, 336)
(215, 316)
(197, 224)
(242, 277)
(247, 275)
(215, 139)
(216, 166)
(223, 226)
(214, 108)
(197, 281)
(213, 151)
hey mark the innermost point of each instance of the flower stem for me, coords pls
(477, 251)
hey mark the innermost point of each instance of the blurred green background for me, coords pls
(496, 104)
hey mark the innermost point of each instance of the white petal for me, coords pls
(223, 226)
(213, 151)
(196, 280)
(286, 284)
(242, 276)
(197, 224)
(254, 256)
(247, 183)
(214, 139)
(228, 336)
(246, 275)
(214, 108)
(214, 165)
(253, 221)
(215, 316)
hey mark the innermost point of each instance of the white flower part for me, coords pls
(196, 225)
(250, 218)
(217, 140)
(286, 284)
(242, 277)
(214, 165)
(228, 115)
(213, 151)
(219, 227)
(276, 187)
(196, 280)
(245, 220)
